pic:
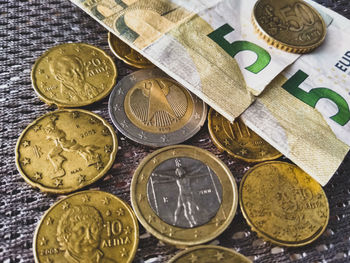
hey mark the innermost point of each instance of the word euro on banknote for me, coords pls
(209, 46)
(304, 112)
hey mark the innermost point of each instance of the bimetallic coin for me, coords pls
(150, 108)
(89, 226)
(127, 54)
(73, 75)
(291, 25)
(283, 204)
(238, 140)
(66, 150)
(184, 195)
(208, 254)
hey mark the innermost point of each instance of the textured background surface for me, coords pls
(27, 29)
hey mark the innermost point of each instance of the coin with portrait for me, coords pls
(283, 204)
(127, 54)
(65, 150)
(150, 108)
(73, 75)
(238, 140)
(291, 25)
(89, 226)
(209, 254)
(184, 195)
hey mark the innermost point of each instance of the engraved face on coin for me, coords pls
(291, 25)
(238, 140)
(73, 75)
(89, 226)
(209, 254)
(150, 108)
(183, 195)
(283, 204)
(127, 54)
(66, 150)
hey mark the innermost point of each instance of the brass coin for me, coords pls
(283, 204)
(89, 226)
(291, 25)
(202, 254)
(127, 54)
(238, 140)
(65, 150)
(184, 195)
(73, 75)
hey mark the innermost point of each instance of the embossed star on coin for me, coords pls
(87, 232)
(283, 204)
(238, 140)
(126, 53)
(155, 110)
(74, 78)
(67, 154)
(209, 253)
(291, 25)
(186, 194)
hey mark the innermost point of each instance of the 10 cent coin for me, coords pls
(184, 195)
(150, 108)
(89, 226)
(65, 150)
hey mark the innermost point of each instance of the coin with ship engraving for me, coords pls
(89, 226)
(238, 140)
(73, 75)
(291, 25)
(127, 54)
(283, 204)
(66, 150)
(184, 195)
(150, 108)
(209, 253)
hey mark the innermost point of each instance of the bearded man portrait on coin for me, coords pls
(79, 235)
(69, 71)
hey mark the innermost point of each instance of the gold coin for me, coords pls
(201, 254)
(89, 226)
(73, 75)
(238, 140)
(291, 25)
(184, 195)
(127, 54)
(283, 204)
(65, 150)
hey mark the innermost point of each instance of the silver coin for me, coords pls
(184, 192)
(150, 108)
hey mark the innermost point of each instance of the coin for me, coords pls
(291, 25)
(73, 75)
(183, 195)
(238, 140)
(65, 150)
(283, 204)
(150, 108)
(209, 253)
(127, 54)
(89, 226)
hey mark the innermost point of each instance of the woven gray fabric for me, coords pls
(27, 29)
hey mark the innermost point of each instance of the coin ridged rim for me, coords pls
(222, 148)
(58, 104)
(149, 138)
(125, 60)
(174, 241)
(285, 46)
(131, 212)
(267, 236)
(72, 189)
(189, 250)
